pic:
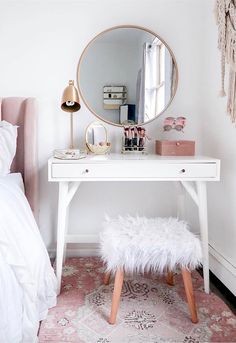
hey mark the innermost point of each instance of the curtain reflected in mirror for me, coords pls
(127, 75)
(155, 82)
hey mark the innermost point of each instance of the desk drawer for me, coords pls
(134, 171)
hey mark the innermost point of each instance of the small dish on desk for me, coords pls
(69, 154)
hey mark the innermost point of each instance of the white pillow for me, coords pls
(8, 136)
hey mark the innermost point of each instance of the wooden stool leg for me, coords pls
(189, 294)
(170, 278)
(119, 278)
(106, 279)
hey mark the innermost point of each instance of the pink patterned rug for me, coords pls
(150, 310)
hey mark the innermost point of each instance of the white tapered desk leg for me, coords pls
(61, 228)
(203, 221)
(66, 232)
(180, 201)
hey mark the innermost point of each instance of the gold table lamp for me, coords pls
(70, 103)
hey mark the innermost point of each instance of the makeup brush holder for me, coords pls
(134, 140)
(133, 146)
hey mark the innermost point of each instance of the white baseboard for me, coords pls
(219, 266)
(223, 269)
(79, 250)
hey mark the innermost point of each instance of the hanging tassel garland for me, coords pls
(225, 11)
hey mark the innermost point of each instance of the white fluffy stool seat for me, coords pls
(139, 244)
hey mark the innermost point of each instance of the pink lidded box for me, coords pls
(175, 148)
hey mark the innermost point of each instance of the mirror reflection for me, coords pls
(127, 75)
(96, 138)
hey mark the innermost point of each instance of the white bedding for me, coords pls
(27, 280)
(8, 136)
(14, 179)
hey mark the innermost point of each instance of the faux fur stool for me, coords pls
(140, 244)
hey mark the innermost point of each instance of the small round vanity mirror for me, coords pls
(96, 138)
(127, 75)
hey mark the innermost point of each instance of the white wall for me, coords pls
(219, 140)
(41, 42)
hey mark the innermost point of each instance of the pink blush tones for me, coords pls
(150, 310)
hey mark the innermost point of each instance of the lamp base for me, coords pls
(69, 154)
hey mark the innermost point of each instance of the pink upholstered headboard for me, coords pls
(22, 112)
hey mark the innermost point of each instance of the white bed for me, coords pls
(14, 179)
(27, 280)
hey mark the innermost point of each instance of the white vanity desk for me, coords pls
(191, 172)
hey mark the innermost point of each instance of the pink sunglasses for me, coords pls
(174, 123)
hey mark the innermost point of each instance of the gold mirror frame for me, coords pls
(120, 27)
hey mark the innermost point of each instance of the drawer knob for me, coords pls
(182, 171)
(85, 171)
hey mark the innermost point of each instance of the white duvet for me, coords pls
(8, 136)
(27, 280)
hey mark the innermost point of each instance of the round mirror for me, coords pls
(96, 138)
(127, 75)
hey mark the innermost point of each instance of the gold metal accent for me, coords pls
(70, 98)
(70, 103)
(71, 132)
(97, 149)
(120, 27)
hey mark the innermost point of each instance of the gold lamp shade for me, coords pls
(70, 98)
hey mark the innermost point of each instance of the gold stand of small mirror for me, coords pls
(96, 138)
